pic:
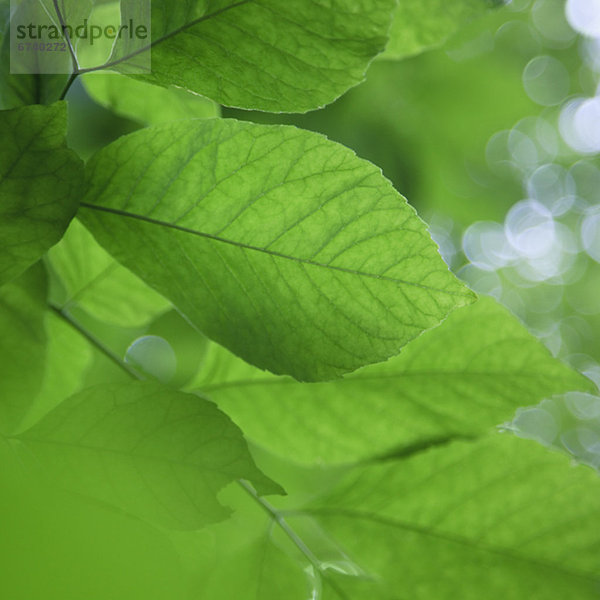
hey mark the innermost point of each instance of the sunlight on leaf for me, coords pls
(494, 518)
(460, 379)
(267, 54)
(147, 103)
(283, 246)
(95, 282)
(68, 358)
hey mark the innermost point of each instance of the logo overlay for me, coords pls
(98, 33)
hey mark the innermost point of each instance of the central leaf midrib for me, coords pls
(430, 532)
(273, 253)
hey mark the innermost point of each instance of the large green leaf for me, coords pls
(421, 24)
(94, 281)
(22, 345)
(40, 183)
(147, 103)
(275, 242)
(266, 54)
(157, 453)
(461, 379)
(499, 518)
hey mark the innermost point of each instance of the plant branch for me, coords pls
(68, 85)
(65, 32)
(77, 70)
(283, 524)
(92, 339)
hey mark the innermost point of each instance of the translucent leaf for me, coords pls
(95, 282)
(422, 24)
(461, 379)
(59, 546)
(266, 54)
(40, 184)
(147, 103)
(495, 518)
(157, 453)
(34, 83)
(273, 241)
(499, 518)
(68, 358)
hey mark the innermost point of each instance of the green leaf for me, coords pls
(147, 103)
(266, 54)
(275, 242)
(43, 80)
(103, 14)
(22, 345)
(22, 90)
(461, 379)
(157, 453)
(59, 546)
(499, 518)
(422, 24)
(244, 557)
(95, 282)
(40, 184)
(68, 358)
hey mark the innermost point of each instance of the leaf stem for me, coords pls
(283, 524)
(77, 70)
(92, 339)
(68, 85)
(164, 38)
(65, 32)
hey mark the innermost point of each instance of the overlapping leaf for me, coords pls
(500, 518)
(159, 454)
(60, 546)
(244, 557)
(67, 360)
(275, 242)
(266, 54)
(497, 518)
(421, 24)
(40, 184)
(461, 379)
(94, 281)
(147, 103)
(40, 77)
(22, 345)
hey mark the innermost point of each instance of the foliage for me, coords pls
(214, 310)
